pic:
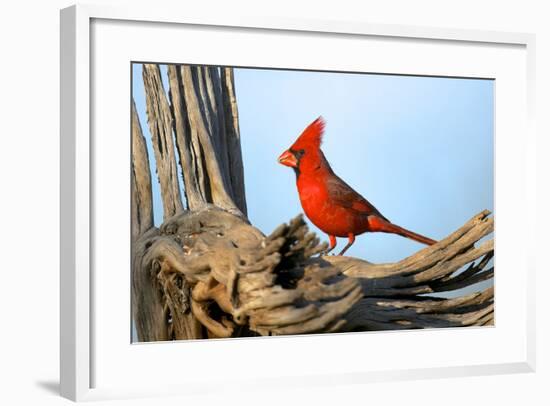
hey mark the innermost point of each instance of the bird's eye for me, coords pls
(298, 154)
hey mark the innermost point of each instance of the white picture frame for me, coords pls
(79, 351)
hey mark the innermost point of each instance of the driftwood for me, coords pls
(206, 272)
(235, 279)
(395, 293)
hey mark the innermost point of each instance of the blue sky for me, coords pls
(419, 148)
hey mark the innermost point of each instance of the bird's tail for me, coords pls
(412, 235)
(387, 227)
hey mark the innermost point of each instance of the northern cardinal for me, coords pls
(329, 202)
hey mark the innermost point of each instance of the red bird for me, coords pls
(329, 202)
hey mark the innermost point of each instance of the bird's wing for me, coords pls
(342, 194)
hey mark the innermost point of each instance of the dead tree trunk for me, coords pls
(206, 272)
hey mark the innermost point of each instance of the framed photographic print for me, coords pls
(247, 194)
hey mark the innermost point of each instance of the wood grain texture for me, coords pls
(233, 137)
(241, 280)
(159, 118)
(191, 168)
(142, 200)
(210, 175)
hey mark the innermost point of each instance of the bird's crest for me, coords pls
(312, 136)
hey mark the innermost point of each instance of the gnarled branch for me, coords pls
(242, 281)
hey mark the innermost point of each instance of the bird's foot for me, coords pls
(326, 252)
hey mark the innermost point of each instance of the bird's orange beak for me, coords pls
(287, 158)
